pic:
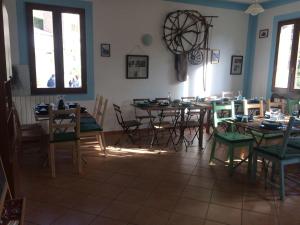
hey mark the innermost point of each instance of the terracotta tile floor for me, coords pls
(141, 186)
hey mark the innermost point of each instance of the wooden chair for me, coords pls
(277, 104)
(64, 127)
(27, 135)
(93, 127)
(230, 138)
(280, 155)
(129, 126)
(250, 108)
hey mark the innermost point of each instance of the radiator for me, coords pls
(25, 105)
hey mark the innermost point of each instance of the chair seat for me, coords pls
(64, 137)
(84, 120)
(275, 150)
(132, 123)
(234, 137)
(89, 127)
(190, 123)
(267, 136)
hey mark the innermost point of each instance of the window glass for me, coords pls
(44, 49)
(71, 50)
(297, 72)
(284, 56)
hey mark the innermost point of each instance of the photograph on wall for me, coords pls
(264, 33)
(215, 56)
(137, 66)
(236, 65)
(105, 50)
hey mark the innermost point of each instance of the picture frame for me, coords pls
(264, 33)
(215, 56)
(236, 67)
(137, 66)
(105, 50)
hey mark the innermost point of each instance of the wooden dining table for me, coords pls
(202, 107)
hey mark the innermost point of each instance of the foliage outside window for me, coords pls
(56, 37)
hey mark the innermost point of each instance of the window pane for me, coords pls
(71, 50)
(284, 56)
(44, 49)
(297, 73)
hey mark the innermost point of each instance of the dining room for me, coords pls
(139, 112)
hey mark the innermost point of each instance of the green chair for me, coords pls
(231, 138)
(280, 155)
(292, 105)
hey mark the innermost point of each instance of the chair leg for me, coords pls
(213, 149)
(231, 166)
(74, 153)
(282, 186)
(79, 161)
(51, 156)
(254, 166)
(250, 159)
(102, 138)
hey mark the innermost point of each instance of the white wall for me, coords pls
(122, 24)
(263, 47)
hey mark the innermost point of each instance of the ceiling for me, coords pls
(246, 1)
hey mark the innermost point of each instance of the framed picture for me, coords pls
(236, 65)
(264, 33)
(105, 50)
(215, 56)
(137, 66)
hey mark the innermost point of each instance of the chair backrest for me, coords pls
(287, 135)
(218, 108)
(101, 110)
(165, 99)
(119, 114)
(227, 94)
(248, 106)
(277, 104)
(188, 99)
(292, 105)
(96, 105)
(63, 121)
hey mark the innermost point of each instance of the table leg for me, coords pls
(208, 121)
(201, 120)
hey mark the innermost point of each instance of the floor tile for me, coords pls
(161, 201)
(250, 218)
(74, 218)
(180, 219)
(107, 221)
(197, 193)
(191, 207)
(234, 200)
(225, 215)
(151, 216)
(203, 182)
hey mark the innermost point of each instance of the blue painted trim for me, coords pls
(216, 4)
(275, 3)
(225, 4)
(249, 57)
(276, 20)
(23, 49)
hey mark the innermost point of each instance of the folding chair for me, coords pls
(252, 108)
(64, 127)
(138, 114)
(129, 126)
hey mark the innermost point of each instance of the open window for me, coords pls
(57, 49)
(286, 78)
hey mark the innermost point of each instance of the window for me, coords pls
(286, 78)
(56, 37)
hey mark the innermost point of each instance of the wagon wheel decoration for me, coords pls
(196, 56)
(184, 31)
